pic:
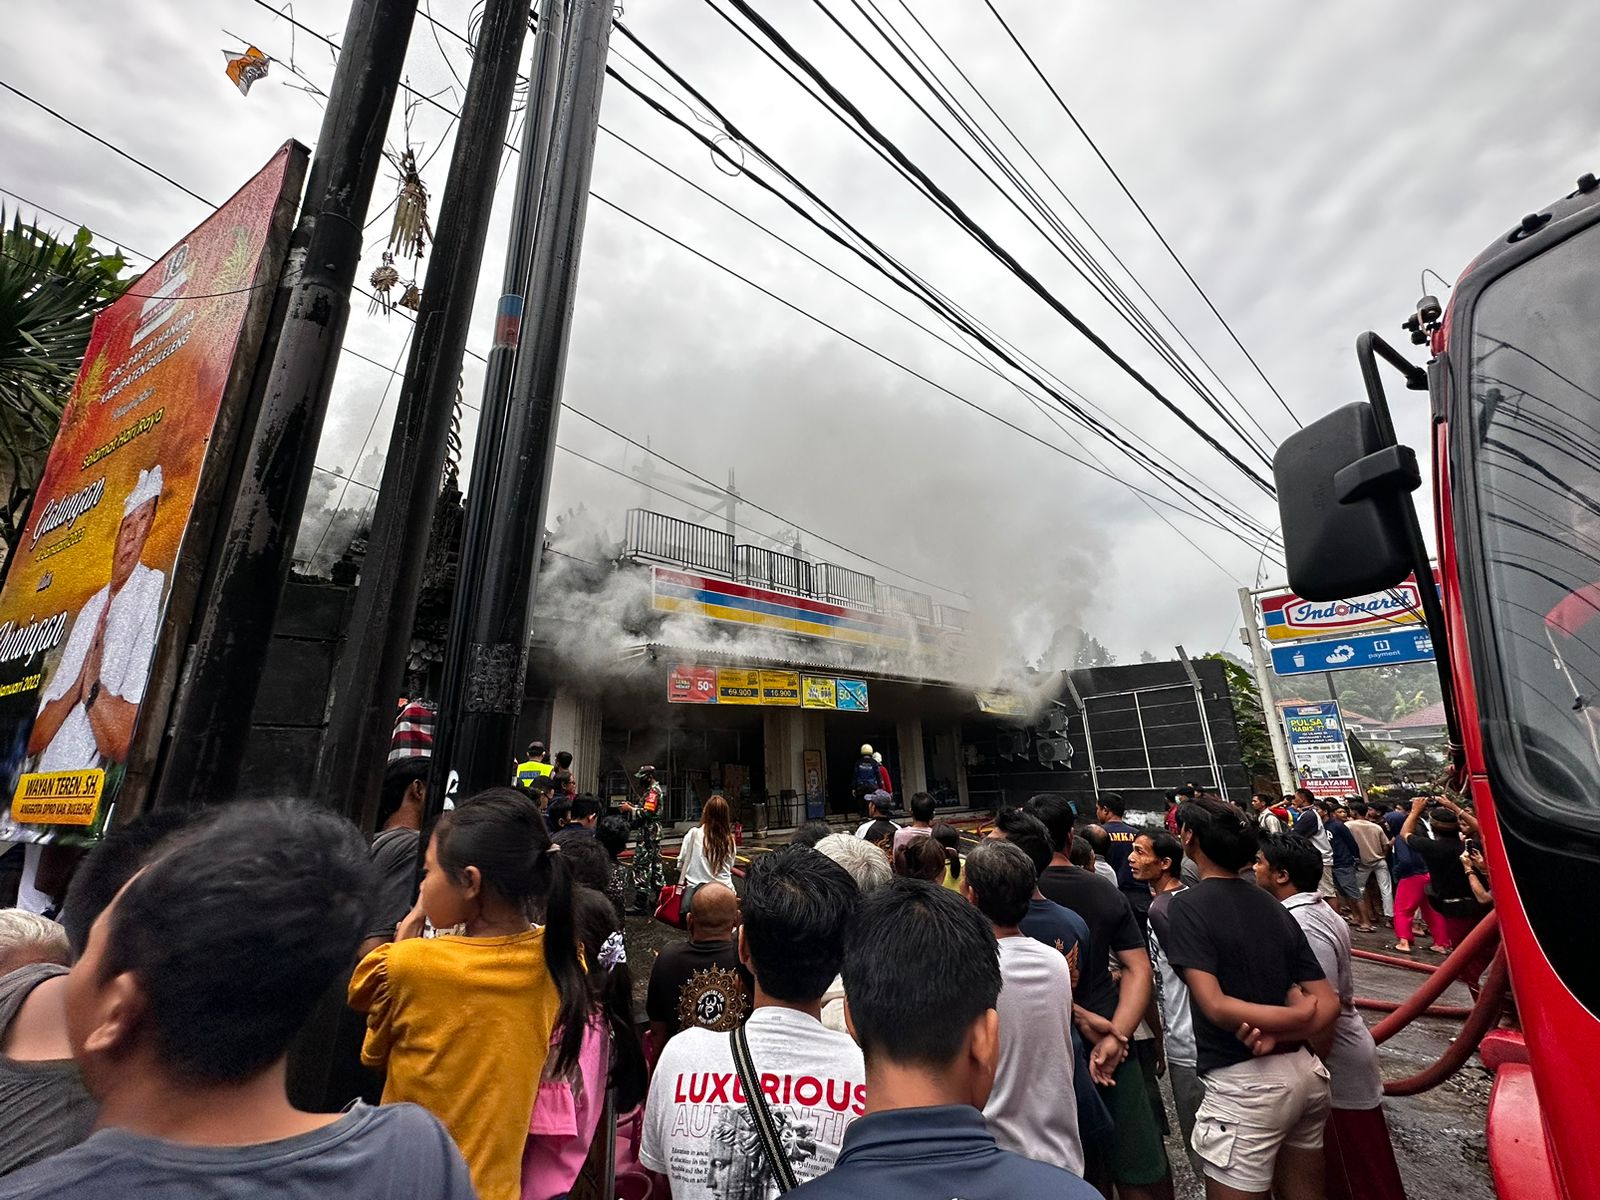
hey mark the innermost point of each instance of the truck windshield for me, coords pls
(1535, 391)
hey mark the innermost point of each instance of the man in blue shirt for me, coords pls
(928, 1077)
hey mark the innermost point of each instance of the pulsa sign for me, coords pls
(1287, 616)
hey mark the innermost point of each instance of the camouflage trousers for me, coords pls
(648, 876)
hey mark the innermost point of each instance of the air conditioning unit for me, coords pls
(1054, 752)
(1053, 721)
(1011, 743)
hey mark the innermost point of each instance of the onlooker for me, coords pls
(489, 866)
(1090, 855)
(1346, 854)
(922, 807)
(611, 831)
(1308, 824)
(1393, 819)
(394, 850)
(699, 1128)
(1448, 890)
(1157, 860)
(562, 779)
(811, 833)
(1472, 861)
(865, 864)
(1359, 1155)
(1411, 899)
(924, 1134)
(564, 1132)
(584, 812)
(27, 939)
(41, 1092)
(413, 731)
(924, 858)
(1108, 1013)
(1110, 809)
(1267, 820)
(879, 828)
(706, 854)
(557, 812)
(1257, 995)
(1028, 1111)
(188, 1064)
(701, 982)
(948, 836)
(587, 860)
(1372, 864)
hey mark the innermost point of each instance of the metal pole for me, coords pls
(224, 665)
(371, 665)
(1269, 707)
(1148, 768)
(1205, 725)
(478, 715)
(1088, 734)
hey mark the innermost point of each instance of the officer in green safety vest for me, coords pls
(538, 764)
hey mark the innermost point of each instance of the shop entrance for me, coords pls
(846, 733)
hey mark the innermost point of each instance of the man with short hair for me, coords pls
(928, 1080)
(1110, 811)
(1028, 1110)
(1108, 1013)
(1308, 823)
(922, 807)
(1267, 821)
(1346, 854)
(182, 1009)
(1257, 996)
(879, 828)
(536, 765)
(585, 813)
(699, 1130)
(1372, 862)
(1359, 1156)
(562, 778)
(1089, 847)
(700, 982)
(394, 850)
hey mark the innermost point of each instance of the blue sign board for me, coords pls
(1318, 749)
(1384, 649)
(852, 695)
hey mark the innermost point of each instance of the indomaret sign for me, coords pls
(88, 592)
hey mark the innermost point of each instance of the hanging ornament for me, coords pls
(383, 281)
(245, 67)
(412, 297)
(411, 231)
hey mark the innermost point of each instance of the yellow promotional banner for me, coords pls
(59, 798)
(817, 692)
(738, 687)
(781, 689)
(1003, 704)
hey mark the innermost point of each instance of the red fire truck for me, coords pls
(1513, 385)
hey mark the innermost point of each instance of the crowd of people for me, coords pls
(862, 1011)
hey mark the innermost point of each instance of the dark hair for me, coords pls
(1099, 840)
(1306, 792)
(1112, 802)
(1027, 831)
(564, 760)
(1296, 856)
(1440, 815)
(1164, 845)
(915, 1005)
(1002, 879)
(501, 832)
(1357, 808)
(584, 806)
(948, 836)
(237, 929)
(922, 807)
(921, 858)
(611, 831)
(611, 992)
(811, 833)
(795, 908)
(106, 868)
(1081, 854)
(587, 860)
(559, 813)
(1222, 831)
(1058, 815)
(397, 780)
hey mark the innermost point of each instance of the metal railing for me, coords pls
(952, 618)
(844, 586)
(679, 543)
(770, 569)
(905, 602)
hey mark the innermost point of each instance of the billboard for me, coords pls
(1318, 749)
(1287, 617)
(689, 684)
(1387, 649)
(86, 595)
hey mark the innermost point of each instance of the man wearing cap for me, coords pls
(537, 763)
(648, 876)
(88, 708)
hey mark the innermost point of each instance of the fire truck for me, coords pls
(1513, 387)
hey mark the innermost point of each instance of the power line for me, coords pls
(1140, 208)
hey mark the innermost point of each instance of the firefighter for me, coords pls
(648, 876)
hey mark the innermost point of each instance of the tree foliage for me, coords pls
(50, 291)
(1255, 743)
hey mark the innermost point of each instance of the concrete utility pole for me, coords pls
(371, 668)
(486, 657)
(1269, 707)
(224, 664)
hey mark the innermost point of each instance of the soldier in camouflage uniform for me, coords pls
(648, 876)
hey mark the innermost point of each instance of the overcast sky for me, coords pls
(1305, 168)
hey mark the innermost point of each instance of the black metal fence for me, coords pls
(676, 542)
(905, 602)
(768, 568)
(844, 586)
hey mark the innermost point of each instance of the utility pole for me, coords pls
(225, 662)
(1269, 707)
(371, 666)
(486, 663)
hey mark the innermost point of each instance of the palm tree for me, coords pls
(50, 291)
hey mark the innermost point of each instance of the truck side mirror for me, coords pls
(1341, 486)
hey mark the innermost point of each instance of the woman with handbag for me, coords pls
(706, 855)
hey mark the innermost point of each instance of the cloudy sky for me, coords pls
(1306, 163)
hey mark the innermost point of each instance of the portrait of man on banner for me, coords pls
(89, 704)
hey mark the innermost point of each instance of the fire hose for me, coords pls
(1487, 930)
(1485, 1013)
(1394, 960)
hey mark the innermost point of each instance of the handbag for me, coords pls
(755, 1102)
(669, 905)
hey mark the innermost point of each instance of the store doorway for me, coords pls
(846, 734)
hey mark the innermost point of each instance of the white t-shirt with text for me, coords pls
(697, 1128)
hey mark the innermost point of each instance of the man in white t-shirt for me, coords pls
(1031, 1110)
(698, 1129)
(88, 708)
